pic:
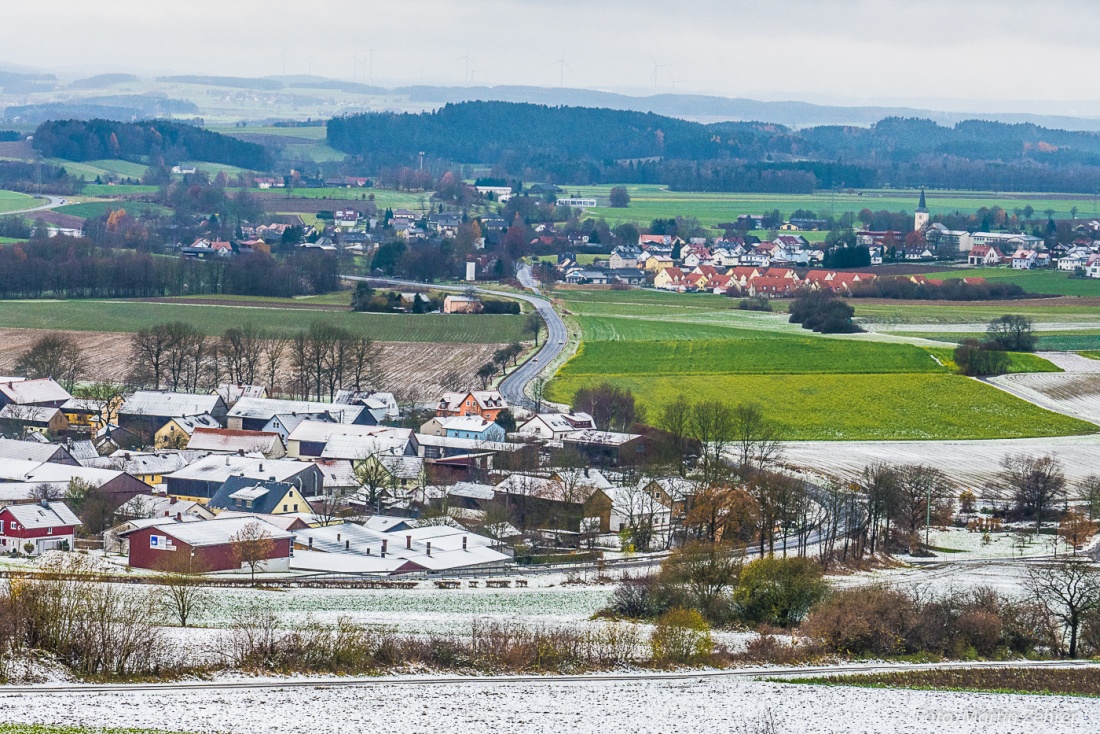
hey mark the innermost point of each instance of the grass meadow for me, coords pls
(1044, 281)
(130, 316)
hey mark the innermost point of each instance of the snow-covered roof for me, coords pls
(217, 468)
(147, 464)
(466, 444)
(52, 515)
(28, 413)
(471, 423)
(233, 393)
(337, 472)
(485, 399)
(161, 506)
(602, 438)
(192, 423)
(225, 440)
(218, 531)
(29, 450)
(357, 447)
(268, 408)
(560, 422)
(403, 467)
(471, 490)
(322, 431)
(169, 404)
(30, 392)
(17, 470)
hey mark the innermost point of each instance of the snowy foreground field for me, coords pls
(703, 703)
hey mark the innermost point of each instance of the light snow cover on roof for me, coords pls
(219, 468)
(28, 392)
(218, 531)
(486, 399)
(169, 404)
(35, 517)
(141, 464)
(222, 439)
(321, 431)
(28, 413)
(267, 408)
(193, 423)
(603, 438)
(362, 447)
(28, 450)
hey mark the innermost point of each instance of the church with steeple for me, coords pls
(920, 217)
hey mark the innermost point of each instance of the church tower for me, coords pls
(920, 217)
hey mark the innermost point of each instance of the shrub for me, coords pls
(758, 303)
(977, 359)
(779, 591)
(823, 313)
(680, 637)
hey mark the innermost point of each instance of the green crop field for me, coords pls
(94, 189)
(974, 312)
(661, 345)
(1045, 281)
(748, 356)
(102, 168)
(1053, 341)
(11, 201)
(128, 316)
(853, 407)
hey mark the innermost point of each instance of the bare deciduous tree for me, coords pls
(252, 546)
(56, 355)
(1068, 589)
(1034, 484)
(181, 592)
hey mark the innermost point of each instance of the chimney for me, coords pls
(408, 542)
(429, 544)
(172, 500)
(338, 537)
(311, 543)
(384, 544)
(368, 551)
(261, 466)
(347, 545)
(227, 461)
(179, 517)
(463, 542)
(126, 456)
(46, 504)
(240, 452)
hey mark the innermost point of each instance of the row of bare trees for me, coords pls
(312, 364)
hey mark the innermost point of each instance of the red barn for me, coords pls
(45, 526)
(209, 545)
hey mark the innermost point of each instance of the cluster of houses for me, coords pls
(338, 487)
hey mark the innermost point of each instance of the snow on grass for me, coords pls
(644, 706)
(416, 611)
(958, 544)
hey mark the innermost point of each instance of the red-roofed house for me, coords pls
(984, 255)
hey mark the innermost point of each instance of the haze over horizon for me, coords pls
(969, 55)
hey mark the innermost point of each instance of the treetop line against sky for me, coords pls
(946, 53)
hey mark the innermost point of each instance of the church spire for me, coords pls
(922, 207)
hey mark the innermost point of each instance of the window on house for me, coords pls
(49, 531)
(248, 504)
(295, 508)
(284, 508)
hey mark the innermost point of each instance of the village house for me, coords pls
(256, 414)
(23, 420)
(177, 432)
(487, 404)
(43, 393)
(263, 497)
(200, 480)
(984, 255)
(462, 304)
(225, 441)
(34, 529)
(553, 426)
(147, 411)
(1024, 259)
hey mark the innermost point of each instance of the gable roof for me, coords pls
(264, 496)
(217, 531)
(218, 468)
(50, 515)
(11, 448)
(30, 392)
(226, 440)
(268, 408)
(485, 399)
(170, 404)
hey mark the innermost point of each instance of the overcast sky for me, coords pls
(962, 54)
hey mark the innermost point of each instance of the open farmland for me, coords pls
(11, 201)
(1049, 282)
(402, 363)
(882, 313)
(975, 463)
(662, 345)
(93, 209)
(650, 202)
(129, 316)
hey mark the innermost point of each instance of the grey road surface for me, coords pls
(53, 203)
(514, 386)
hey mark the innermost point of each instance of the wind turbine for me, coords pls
(562, 66)
(656, 68)
(675, 81)
(309, 60)
(466, 58)
(370, 68)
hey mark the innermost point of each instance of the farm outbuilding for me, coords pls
(212, 545)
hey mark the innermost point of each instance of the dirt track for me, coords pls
(424, 366)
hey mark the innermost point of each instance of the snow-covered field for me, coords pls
(973, 463)
(704, 703)
(424, 610)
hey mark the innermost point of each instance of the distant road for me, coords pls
(514, 386)
(54, 202)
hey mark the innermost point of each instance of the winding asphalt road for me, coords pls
(53, 203)
(514, 386)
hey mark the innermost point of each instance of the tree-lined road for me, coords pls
(514, 386)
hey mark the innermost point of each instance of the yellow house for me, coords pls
(177, 431)
(657, 263)
(669, 278)
(241, 494)
(86, 414)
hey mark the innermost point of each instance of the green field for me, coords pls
(128, 316)
(1045, 281)
(661, 345)
(11, 201)
(94, 189)
(1050, 341)
(102, 168)
(650, 202)
(974, 312)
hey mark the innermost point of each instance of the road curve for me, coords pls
(53, 203)
(514, 386)
(350, 682)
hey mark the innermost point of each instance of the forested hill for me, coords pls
(489, 131)
(588, 145)
(155, 142)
